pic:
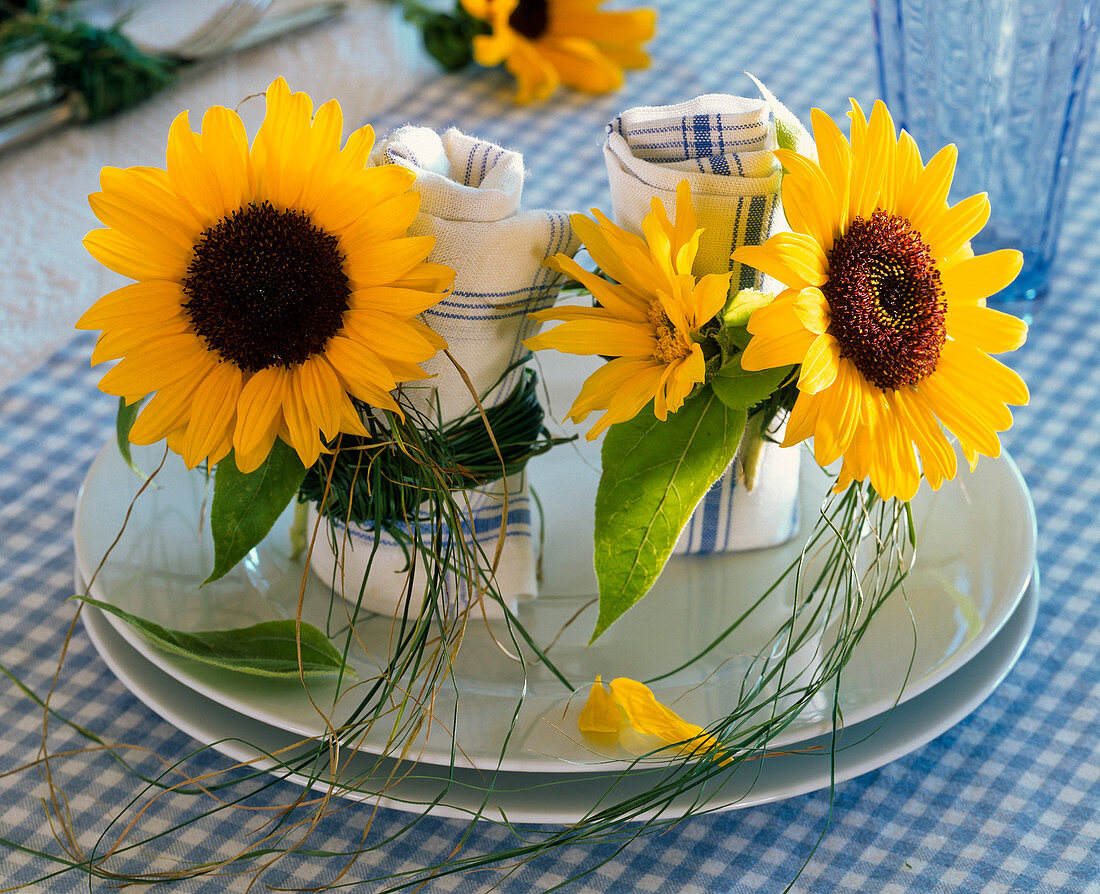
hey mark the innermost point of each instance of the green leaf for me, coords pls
(124, 421)
(789, 131)
(741, 389)
(246, 506)
(743, 304)
(654, 475)
(267, 649)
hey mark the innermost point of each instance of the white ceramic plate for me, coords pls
(976, 552)
(976, 541)
(566, 798)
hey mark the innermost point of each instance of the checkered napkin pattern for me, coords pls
(470, 192)
(722, 146)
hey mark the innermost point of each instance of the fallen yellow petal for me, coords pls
(600, 714)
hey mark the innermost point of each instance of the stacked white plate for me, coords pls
(928, 659)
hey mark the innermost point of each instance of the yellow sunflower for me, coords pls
(544, 43)
(272, 282)
(884, 309)
(646, 317)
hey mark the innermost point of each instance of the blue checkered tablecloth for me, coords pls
(1006, 801)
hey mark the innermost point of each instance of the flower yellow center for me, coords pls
(530, 18)
(886, 301)
(671, 344)
(266, 288)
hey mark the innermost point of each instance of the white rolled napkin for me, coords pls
(470, 202)
(722, 146)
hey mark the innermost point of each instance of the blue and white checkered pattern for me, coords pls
(1007, 801)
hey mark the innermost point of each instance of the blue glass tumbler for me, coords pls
(1005, 80)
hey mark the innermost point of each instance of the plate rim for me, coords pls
(852, 761)
(534, 760)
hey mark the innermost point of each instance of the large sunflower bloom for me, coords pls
(272, 282)
(884, 309)
(544, 43)
(646, 317)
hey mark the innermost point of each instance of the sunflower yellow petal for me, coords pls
(388, 336)
(834, 155)
(819, 366)
(938, 460)
(956, 226)
(160, 362)
(803, 419)
(685, 231)
(985, 373)
(707, 298)
(321, 393)
(399, 301)
(580, 65)
(225, 145)
(152, 188)
(259, 415)
(808, 211)
(949, 402)
(812, 309)
(984, 328)
(120, 342)
(622, 302)
(536, 76)
(213, 413)
(346, 200)
(839, 413)
(427, 278)
(657, 230)
(614, 338)
(135, 305)
(130, 258)
(925, 199)
(622, 256)
(302, 429)
(872, 165)
(191, 173)
(387, 221)
(631, 392)
(386, 262)
(162, 236)
(165, 412)
(971, 279)
(796, 260)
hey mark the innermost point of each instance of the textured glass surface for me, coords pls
(1004, 80)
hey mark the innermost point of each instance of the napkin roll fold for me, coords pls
(470, 193)
(722, 146)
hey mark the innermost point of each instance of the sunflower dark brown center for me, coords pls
(530, 18)
(266, 288)
(886, 301)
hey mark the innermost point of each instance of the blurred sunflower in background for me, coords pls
(544, 43)
(884, 309)
(650, 307)
(273, 284)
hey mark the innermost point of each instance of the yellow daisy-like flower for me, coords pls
(884, 309)
(272, 283)
(646, 318)
(544, 43)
